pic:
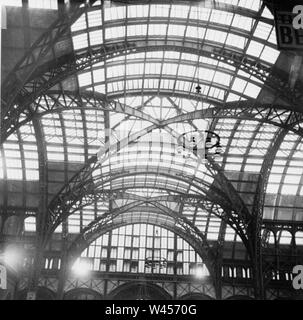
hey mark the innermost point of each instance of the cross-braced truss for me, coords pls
(126, 75)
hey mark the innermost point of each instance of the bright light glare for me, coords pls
(200, 272)
(82, 267)
(13, 257)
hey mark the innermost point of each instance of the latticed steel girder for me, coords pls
(55, 37)
(68, 194)
(224, 210)
(53, 40)
(203, 4)
(171, 220)
(248, 110)
(213, 202)
(86, 185)
(52, 44)
(230, 191)
(218, 205)
(239, 216)
(51, 74)
(60, 28)
(57, 101)
(258, 204)
(85, 192)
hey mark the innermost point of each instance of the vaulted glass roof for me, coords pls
(154, 57)
(176, 71)
(131, 248)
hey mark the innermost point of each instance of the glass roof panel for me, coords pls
(188, 28)
(74, 135)
(134, 247)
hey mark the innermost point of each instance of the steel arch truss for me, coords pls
(57, 101)
(258, 207)
(171, 221)
(55, 36)
(86, 192)
(249, 110)
(50, 74)
(45, 47)
(85, 189)
(240, 214)
(84, 181)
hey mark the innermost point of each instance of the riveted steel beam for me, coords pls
(57, 101)
(39, 53)
(257, 210)
(170, 220)
(52, 73)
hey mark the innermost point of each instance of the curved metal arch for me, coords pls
(166, 77)
(192, 199)
(248, 110)
(238, 217)
(88, 191)
(43, 200)
(216, 205)
(224, 210)
(85, 173)
(241, 221)
(40, 49)
(56, 101)
(71, 64)
(188, 22)
(181, 61)
(56, 32)
(60, 27)
(210, 5)
(181, 227)
(159, 173)
(258, 204)
(230, 191)
(65, 66)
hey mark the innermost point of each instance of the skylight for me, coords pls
(117, 79)
(134, 247)
(43, 4)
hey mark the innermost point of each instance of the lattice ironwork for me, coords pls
(70, 64)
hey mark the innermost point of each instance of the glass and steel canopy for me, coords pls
(164, 51)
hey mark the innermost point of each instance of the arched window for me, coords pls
(284, 237)
(144, 248)
(30, 224)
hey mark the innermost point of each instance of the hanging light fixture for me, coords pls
(194, 143)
